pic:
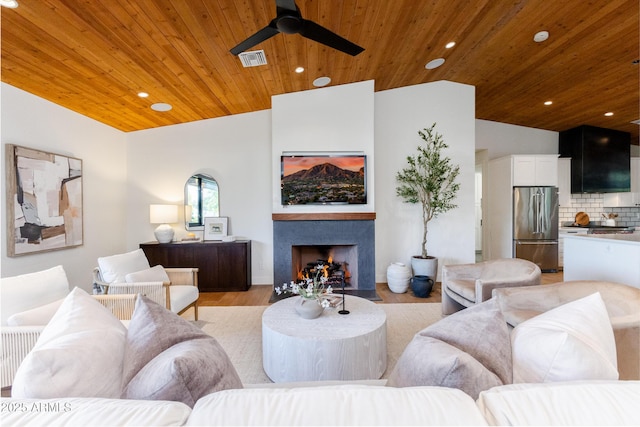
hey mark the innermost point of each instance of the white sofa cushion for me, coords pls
(79, 353)
(31, 290)
(595, 403)
(153, 274)
(181, 296)
(572, 342)
(95, 412)
(38, 316)
(114, 268)
(337, 405)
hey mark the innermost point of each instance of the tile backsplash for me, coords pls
(592, 204)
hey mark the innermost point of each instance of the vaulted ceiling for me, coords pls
(94, 57)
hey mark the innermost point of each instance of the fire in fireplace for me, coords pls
(339, 263)
(335, 272)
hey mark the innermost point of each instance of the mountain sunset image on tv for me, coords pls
(323, 179)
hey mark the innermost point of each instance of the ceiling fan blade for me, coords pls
(318, 33)
(287, 4)
(262, 35)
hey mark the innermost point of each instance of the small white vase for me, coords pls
(308, 308)
(398, 277)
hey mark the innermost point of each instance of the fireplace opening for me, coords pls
(340, 262)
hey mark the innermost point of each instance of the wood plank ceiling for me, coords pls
(93, 57)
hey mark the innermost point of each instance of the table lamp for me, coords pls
(163, 215)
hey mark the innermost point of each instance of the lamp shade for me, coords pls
(163, 214)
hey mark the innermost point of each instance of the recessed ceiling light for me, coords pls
(450, 45)
(143, 94)
(11, 4)
(609, 114)
(161, 106)
(434, 64)
(540, 36)
(299, 70)
(321, 81)
(548, 102)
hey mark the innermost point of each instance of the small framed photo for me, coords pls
(215, 228)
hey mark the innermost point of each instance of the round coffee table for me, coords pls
(331, 347)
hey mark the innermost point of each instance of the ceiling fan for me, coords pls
(289, 20)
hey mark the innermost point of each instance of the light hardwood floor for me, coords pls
(260, 294)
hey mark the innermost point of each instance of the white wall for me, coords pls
(124, 173)
(399, 114)
(501, 139)
(234, 150)
(337, 118)
(33, 122)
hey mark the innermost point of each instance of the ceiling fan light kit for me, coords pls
(289, 20)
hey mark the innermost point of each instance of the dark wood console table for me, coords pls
(224, 266)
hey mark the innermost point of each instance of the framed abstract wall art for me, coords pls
(44, 201)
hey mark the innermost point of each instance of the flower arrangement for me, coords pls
(312, 288)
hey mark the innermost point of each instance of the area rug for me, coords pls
(239, 331)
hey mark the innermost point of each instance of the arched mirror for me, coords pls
(201, 200)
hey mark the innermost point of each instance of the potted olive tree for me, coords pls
(428, 179)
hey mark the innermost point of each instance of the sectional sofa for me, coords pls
(558, 368)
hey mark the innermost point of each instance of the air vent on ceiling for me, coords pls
(254, 58)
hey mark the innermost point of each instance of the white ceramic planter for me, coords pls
(425, 267)
(398, 277)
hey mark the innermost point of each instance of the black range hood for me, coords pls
(600, 159)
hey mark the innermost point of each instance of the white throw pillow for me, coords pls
(38, 316)
(79, 353)
(115, 268)
(31, 290)
(153, 274)
(572, 342)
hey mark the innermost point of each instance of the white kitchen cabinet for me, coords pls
(562, 233)
(628, 199)
(606, 257)
(564, 181)
(535, 170)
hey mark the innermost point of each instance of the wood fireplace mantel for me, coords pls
(329, 216)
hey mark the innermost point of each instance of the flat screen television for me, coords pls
(323, 179)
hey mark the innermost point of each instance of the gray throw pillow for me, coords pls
(469, 350)
(152, 330)
(168, 358)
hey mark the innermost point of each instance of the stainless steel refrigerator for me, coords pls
(535, 226)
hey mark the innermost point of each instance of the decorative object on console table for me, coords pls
(223, 266)
(44, 201)
(429, 179)
(163, 215)
(215, 228)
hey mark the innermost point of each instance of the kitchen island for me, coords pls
(607, 257)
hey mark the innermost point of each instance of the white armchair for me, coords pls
(28, 302)
(173, 288)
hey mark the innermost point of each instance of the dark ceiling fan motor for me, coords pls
(289, 20)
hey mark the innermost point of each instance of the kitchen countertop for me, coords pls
(618, 238)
